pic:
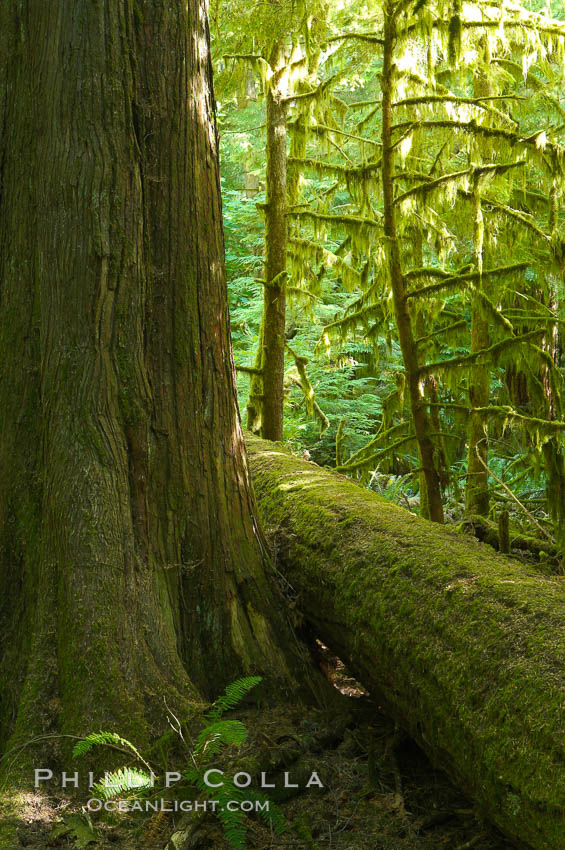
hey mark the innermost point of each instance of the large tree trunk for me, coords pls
(129, 549)
(463, 646)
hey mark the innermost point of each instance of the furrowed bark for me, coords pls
(464, 647)
(129, 547)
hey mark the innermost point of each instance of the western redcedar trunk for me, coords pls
(131, 563)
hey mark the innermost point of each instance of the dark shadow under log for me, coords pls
(465, 647)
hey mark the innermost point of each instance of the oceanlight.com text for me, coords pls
(162, 805)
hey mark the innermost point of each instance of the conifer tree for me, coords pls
(287, 59)
(451, 166)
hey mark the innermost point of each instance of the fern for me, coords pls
(273, 817)
(215, 735)
(155, 833)
(233, 695)
(231, 818)
(122, 781)
(109, 739)
(222, 733)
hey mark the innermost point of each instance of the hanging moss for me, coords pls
(494, 352)
(305, 247)
(303, 382)
(473, 173)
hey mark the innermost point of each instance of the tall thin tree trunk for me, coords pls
(266, 388)
(266, 392)
(422, 426)
(476, 491)
(274, 303)
(430, 385)
(255, 399)
(554, 456)
(129, 545)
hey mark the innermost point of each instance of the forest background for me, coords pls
(392, 180)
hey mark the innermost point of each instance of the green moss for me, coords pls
(10, 808)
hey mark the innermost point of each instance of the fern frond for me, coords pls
(231, 817)
(155, 833)
(98, 739)
(219, 734)
(233, 695)
(272, 815)
(122, 781)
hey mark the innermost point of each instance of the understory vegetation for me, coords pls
(378, 786)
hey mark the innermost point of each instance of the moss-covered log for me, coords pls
(465, 647)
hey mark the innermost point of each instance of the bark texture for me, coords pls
(466, 648)
(129, 549)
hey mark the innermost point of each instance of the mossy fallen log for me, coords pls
(464, 647)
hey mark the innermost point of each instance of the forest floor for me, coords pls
(380, 793)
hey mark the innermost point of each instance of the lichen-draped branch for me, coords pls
(488, 354)
(474, 173)
(303, 382)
